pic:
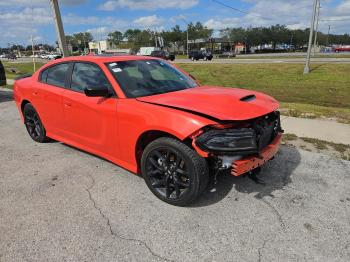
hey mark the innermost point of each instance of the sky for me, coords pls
(19, 19)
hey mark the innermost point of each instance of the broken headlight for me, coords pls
(240, 141)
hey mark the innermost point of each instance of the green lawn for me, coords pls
(323, 92)
(19, 68)
(294, 56)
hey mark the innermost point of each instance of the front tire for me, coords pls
(174, 172)
(33, 124)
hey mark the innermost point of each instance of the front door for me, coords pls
(90, 122)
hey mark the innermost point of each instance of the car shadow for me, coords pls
(6, 96)
(276, 175)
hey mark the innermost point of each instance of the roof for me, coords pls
(104, 59)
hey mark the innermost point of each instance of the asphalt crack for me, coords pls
(275, 211)
(113, 233)
(260, 250)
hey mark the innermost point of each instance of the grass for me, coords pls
(323, 92)
(13, 70)
(289, 137)
(334, 149)
(347, 55)
(293, 56)
(320, 144)
(342, 115)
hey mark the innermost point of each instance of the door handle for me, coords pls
(35, 93)
(67, 104)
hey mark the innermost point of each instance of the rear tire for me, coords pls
(33, 124)
(174, 172)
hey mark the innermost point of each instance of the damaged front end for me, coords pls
(241, 146)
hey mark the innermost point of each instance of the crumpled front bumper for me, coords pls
(244, 165)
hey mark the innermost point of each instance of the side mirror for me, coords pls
(100, 92)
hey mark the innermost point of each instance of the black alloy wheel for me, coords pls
(33, 124)
(174, 172)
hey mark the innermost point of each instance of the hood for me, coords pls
(218, 102)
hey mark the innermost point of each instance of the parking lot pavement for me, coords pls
(60, 204)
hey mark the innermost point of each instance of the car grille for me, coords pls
(267, 128)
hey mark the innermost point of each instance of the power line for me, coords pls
(239, 10)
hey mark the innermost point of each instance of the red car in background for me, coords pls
(342, 49)
(151, 118)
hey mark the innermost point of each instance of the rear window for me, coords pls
(56, 75)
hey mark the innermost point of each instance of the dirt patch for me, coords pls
(319, 146)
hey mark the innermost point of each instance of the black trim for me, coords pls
(68, 79)
(50, 66)
(114, 94)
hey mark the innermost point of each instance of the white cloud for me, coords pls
(148, 21)
(294, 14)
(30, 3)
(111, 5)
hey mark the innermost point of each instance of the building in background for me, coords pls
(104, 46)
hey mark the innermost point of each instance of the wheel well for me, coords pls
(24, 102)
(146, 138)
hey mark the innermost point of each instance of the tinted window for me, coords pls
(57, 75)
(88, 75)
(149, 77)
(43, 75)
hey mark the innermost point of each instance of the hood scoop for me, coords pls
(248, 98)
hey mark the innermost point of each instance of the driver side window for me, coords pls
(88, 76)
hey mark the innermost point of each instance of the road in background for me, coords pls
(58, 203)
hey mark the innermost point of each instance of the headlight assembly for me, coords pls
(240, 141)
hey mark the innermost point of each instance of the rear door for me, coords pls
(90, 122)
(47, 96)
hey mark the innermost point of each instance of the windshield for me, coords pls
(149, 77)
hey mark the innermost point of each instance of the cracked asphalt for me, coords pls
(58, 203)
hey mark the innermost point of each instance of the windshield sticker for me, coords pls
(112, 65)
(116, 70)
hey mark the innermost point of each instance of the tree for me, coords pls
(176, 36)
(79, 41)
(197, 31)
(115, 37)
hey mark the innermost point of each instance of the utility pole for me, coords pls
(33, 51)
(312, 27)
(187, 44)
(187, 39)
(59, 27)
(316, 28)
(329, 29)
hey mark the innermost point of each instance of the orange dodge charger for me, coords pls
(151, 118)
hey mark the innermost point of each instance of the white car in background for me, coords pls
(53, 56)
